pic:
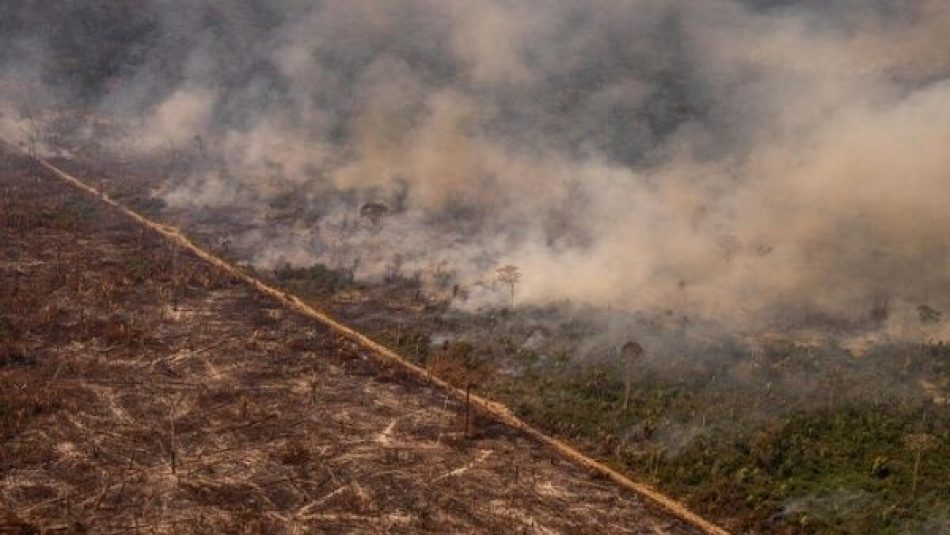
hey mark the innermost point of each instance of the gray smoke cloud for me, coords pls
(747, 161)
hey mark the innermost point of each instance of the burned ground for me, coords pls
(142, 389)
(783, 432)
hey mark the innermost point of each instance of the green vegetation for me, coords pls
(797, 438)
(841, 469)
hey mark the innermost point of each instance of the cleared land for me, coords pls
(142, 389)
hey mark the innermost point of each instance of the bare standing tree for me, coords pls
(630, 353)
(510, 275)
(918, 443)
(31, 130)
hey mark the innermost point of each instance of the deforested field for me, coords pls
(142, 390)
(493, 266)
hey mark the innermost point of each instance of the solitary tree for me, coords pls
(928, 315)
(630, 353)
(374, 212)
(881, 309)
(509, 275)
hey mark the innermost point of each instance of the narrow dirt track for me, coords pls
(158, 388)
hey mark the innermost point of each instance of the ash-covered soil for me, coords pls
(141, 389)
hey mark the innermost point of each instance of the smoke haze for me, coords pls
(747, 161)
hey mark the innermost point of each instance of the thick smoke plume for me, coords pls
(748, 161)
